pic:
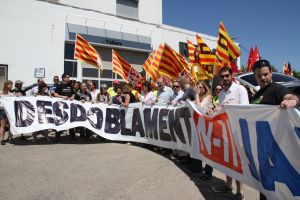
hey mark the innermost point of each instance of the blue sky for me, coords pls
(272, 25)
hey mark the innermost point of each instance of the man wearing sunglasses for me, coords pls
(232, 93)
(177, 93)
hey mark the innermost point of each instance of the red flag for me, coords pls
(166, 80)
(134, 76)
(186, 74)
(249, 63)
(255, 57)
(234, 67)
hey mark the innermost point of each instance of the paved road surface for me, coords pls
(107, 170)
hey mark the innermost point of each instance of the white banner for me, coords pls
(258, 145)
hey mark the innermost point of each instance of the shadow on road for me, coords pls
(205, 187)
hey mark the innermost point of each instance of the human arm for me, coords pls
(289, 101)
(127, 99)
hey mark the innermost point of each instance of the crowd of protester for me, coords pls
(206, 98)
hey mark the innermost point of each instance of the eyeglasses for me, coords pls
(176, 86)
(226, 75)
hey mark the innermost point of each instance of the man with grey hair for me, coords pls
(164, 92)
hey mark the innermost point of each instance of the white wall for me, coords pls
(33, 33)
(31, 37)
(106, 6)
(150, 11)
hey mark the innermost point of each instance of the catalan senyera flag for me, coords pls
(233, 51)
(120, 66)
(151, 64)
(285, 69)
(206, 56)
(193, 55)
(86, 52)
(172, 63)
(208, 61)
(222, 51)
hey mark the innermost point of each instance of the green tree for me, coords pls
(274, 69)
(296, 74)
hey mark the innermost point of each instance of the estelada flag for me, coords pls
(86, 52)
(120, 66)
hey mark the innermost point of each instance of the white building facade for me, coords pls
(37, 36)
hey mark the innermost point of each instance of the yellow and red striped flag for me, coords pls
(86, 52)
(208, 60)
(193, 54)
(172, 63)
(206, 56)
(226, 44)
(151, 64)
(120, 66)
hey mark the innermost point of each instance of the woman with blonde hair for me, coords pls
(7, 91)
(203, 96)
(128, 96)
(203, 99)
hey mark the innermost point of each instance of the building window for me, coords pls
(90, 72)
(69, 51)
(127, 8)
(70, 67)
(3, 75)
(106, 73)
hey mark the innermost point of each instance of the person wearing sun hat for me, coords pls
(18, 88)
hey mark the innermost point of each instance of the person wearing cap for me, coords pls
(112, 91)
(18, 88)
(104, 96)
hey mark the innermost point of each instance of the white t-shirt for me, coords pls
(164, 95)
(94, 94)
(148, 99)
(236, 94)
(178, 96)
